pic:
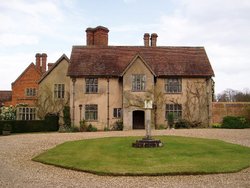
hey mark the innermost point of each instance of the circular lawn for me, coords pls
(179, 155)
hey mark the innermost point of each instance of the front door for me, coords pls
(138, 119)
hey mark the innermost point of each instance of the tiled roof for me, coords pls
(164, 61)
(5, 96)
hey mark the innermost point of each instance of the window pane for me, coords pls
(175, 109)
(173, 85)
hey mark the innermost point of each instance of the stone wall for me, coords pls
(222, 109)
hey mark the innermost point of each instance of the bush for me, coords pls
(83, 125)
(232, 122)
(91, 128)
(182, 124)
(66, 116)
(216, 125)
(118, 125)
(170, 117)
(185, 124)
(74, 129)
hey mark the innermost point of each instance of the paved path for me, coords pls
(17, 169)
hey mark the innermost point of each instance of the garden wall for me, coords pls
(222, 109)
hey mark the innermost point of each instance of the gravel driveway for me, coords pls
(17, 169)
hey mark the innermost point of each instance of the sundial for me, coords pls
(147, 141)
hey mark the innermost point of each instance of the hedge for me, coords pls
(232, 122)
(50, 123)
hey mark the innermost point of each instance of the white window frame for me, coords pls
(27, 113)
(138, 82)
(59, 91)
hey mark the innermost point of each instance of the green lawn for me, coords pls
(179, 155)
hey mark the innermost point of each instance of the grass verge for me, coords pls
(178, 156)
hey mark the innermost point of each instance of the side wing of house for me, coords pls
(54, 91)
(24, 93)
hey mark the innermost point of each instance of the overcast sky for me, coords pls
(28, 27)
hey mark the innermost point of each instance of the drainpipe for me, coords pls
(208, 100)
(108, 102)
(73, 100)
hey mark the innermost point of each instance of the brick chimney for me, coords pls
(90, 36)
(146, 39)
(38, 61)
(97, 36)
(44, 62)
(153, 39)
(41, 60)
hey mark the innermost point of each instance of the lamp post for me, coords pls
(80, 107)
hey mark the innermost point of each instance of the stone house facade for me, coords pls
(54, 90)
(110, 83)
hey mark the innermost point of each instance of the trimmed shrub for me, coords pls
(232, 122)
(21, 126)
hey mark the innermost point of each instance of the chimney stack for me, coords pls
(44, 62)
(97, 36)
(146, 39)
(41, 62)
(153, 39)
(90, 36)
(38, 61)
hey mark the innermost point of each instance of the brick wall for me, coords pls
(222, 109)
(29, 79)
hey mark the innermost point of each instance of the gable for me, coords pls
(29, 74)
(138, 65)
(59, 67)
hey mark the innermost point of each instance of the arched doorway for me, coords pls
(138, 119)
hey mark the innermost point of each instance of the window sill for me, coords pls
(174, 93)
(91, 120)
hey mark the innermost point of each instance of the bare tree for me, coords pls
(47, 103)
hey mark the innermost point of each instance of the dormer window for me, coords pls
(138, 82)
